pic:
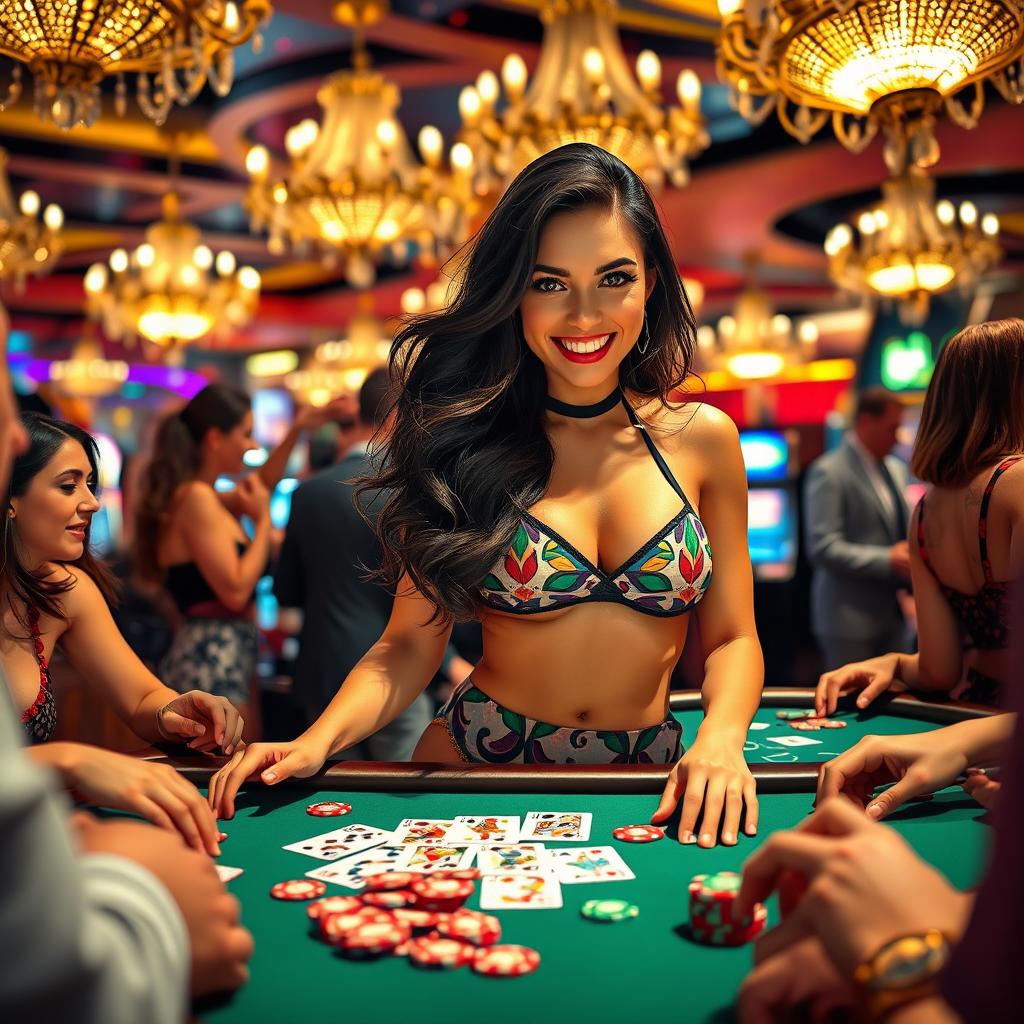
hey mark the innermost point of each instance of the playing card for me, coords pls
(758, 726)
(517, 858)
(495, 828)
(351, 871)
(420, 832)
(434, 858)
(225, 874)
(520, 892)
(590, 864)
(340, 842)
(556, 826)
(794, 741)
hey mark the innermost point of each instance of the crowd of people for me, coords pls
(530, 421)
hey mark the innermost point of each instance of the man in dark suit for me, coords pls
(855, 525)
(320, 570)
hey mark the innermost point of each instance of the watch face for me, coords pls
(909, 961)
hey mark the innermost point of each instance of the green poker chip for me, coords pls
(609, 910)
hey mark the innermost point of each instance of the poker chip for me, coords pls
(333, 927)
(639, 833)
(333, 905)
(446, 894)
(298, 889)
(466, 874)
(609, 910)
(418, 920)
(437, 952)
(374, 937)
(814, 724)
(506, 961)
(328, 809)
(391, 880)
(789, 716)
(389, 899)
(471, 926)
(711, 918)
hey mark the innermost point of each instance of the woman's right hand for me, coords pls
(155, 792)
(272, 762)
(252, 498)
(871, 677)
(917, 765)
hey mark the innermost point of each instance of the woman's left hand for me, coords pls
(712, 774)
(204, 720)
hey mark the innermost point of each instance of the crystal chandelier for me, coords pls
(173, 47)
(582, 91)
(354, 187)
(847, 60)
(88, 373)
(164, 290)
(365, 347)
(910, 247)
(755, 342)
(27, 245)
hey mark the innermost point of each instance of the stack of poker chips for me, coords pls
(808, 721)
(711, 919)
(421, 917)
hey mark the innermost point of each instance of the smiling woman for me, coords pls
(539, 477)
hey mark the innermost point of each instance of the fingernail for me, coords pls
(874, 811)
(861, 702)
(216, 849)
(705, 839)
(228, 749)
(688, 838)
(728, 837)
(269, 776)
(751, 830)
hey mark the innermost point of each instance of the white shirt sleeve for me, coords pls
(91, 939)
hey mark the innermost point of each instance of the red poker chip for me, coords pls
(298, 889)
(471, 926)
(466, 874)
(391, 880)
(328, 809)
(390, 899)
(333, 927)
(437, 952)
(639, 833)
(372, 938)
(441, 893)
(333, 905)
(506, 961)
(418, 920)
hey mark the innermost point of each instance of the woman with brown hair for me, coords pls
(967, 532)
(189, 538)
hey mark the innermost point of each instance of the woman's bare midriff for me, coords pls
(598, 667)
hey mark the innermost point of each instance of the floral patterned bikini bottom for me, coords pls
(484, 731)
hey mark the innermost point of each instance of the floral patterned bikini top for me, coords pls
(985, 614)
(542, 571)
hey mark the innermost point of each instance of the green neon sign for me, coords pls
(907, 362)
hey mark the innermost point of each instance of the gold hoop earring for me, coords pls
(642, 348)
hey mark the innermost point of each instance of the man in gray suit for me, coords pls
(855, 523)
(319, 570)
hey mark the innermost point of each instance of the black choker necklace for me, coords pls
(583, 412)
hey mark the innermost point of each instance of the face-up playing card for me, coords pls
(557, 826)
(340, 842)
(351, 871)
(589, 864)
(758, 726)
(434, 858)
(494, 828)
(225, 874)
(421, 832)
(794, 741)
(520, 892)
(517, 858)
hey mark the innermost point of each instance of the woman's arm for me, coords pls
(382, 685)
(713, 777)
(231, 576)
(344, 407)
(94, 645)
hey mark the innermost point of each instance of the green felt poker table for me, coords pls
(589, 971)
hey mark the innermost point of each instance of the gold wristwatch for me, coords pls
(901, 972)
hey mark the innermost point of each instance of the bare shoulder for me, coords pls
(82, 596)
(196, 500)
(1008, 495)
(689, 425)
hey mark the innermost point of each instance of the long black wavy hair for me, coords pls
(468, 450)
(25, 586)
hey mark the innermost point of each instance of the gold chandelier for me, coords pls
(354, 187)
(755, 342)
(909, 247)
(173, 47)
(582, 91)
(27, 245)
(88, 373)
(164, 290)
(848, 60)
